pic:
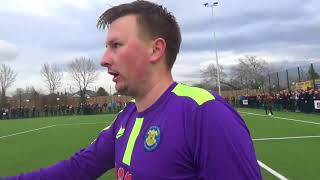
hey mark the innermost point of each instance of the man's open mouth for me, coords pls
(114, 74)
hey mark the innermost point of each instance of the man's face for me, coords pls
(126, 55)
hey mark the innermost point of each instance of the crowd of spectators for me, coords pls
(60, 110)
(295, 101)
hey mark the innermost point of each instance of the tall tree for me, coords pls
(209, 76)
(52, 75)
(18, 95)
(7, 78)
(210, 81)
(250, 72)
(102, 92)
(84, 72)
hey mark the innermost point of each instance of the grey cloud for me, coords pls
(286, 28)
(71, 30)
(8, 51)
(234, 22)
(304, 34)
(249, 30)
(95, 56)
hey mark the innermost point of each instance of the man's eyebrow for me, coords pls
(108, 42)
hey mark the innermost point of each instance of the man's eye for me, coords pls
(116, 45)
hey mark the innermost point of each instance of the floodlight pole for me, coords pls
(215, 40)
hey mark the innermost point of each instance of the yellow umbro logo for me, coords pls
(120, 132)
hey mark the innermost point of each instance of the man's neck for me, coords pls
(153, 93)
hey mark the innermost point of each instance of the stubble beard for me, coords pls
(122, 90)
(127, 91)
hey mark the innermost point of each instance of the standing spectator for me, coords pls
(13, 112)
(310, 101)
(233, 101)
(301, 101)
(33, 113)
(45, 109)
(268, 103)
(307, 101)
(296, 101)
(291, 100)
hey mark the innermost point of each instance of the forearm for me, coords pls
(57, 171)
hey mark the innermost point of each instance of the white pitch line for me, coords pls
(46, 127)
(80, 124)
(274, 117)
(23, 132)
(281, 138)
(273, 172)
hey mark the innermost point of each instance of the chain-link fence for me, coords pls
(298, 78)
(295, 89)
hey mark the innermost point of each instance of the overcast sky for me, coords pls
(35, 32)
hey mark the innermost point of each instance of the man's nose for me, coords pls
(106, 60)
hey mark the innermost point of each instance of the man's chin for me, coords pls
(122, 90)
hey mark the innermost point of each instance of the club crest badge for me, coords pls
(152, 138)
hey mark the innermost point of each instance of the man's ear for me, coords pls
(158, 49)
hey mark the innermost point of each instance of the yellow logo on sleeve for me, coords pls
(120, 132)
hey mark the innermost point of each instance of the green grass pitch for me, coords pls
(43, 147)
(288, 143)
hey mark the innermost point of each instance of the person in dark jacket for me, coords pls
(268, 103)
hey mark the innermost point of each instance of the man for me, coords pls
(268, 103)
(170, 130)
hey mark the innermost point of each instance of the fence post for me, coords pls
(288, 84)
(269, 83)
(313, 77)
(278, 83)
(299, 74)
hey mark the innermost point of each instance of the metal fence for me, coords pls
(303, 77)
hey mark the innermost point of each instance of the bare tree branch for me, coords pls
(250, 72)
(52, 75)
(7, 78)
(209, 75)
(84, 72)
